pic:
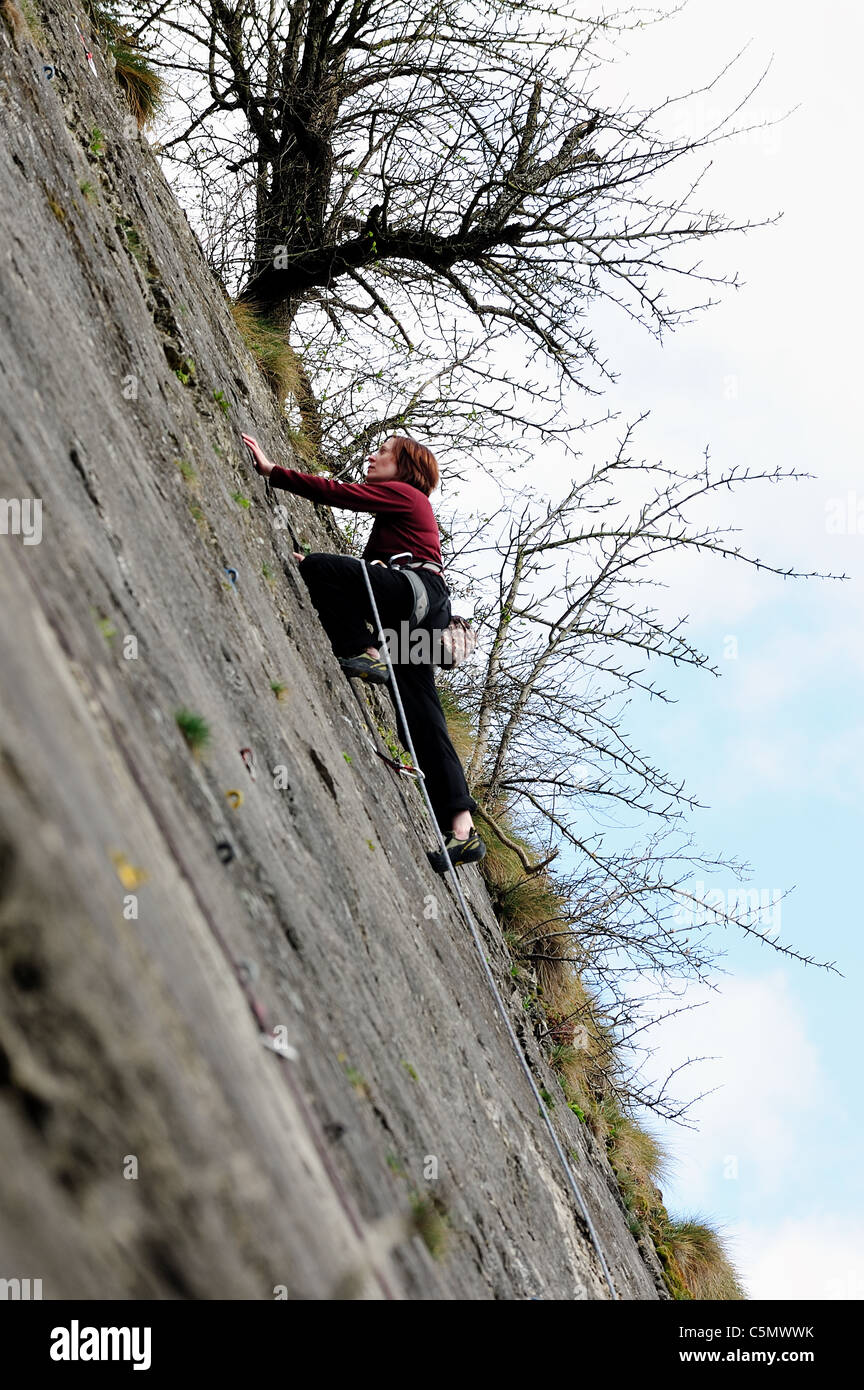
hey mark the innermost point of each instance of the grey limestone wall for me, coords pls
(150, 1145)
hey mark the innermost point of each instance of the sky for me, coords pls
(776, 746)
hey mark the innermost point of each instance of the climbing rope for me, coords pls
(472, 927)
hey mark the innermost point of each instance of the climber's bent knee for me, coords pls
(320, 565)
(311, 564)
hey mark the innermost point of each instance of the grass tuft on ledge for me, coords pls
(142, 86)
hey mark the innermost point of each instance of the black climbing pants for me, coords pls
(338, 590)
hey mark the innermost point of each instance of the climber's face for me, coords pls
(383, 465)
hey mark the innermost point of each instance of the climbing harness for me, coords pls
(421, 595)
(472, 927)
(458, 639)
(420, 611)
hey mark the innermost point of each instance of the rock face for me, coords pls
(150, 1145)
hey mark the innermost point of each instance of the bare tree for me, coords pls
(431, 196)
(569, 637)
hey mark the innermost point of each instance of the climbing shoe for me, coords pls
(458, 851)
(365, 668)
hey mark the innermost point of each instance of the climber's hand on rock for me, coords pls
(262, 463)
(298, 556)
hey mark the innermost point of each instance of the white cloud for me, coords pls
(756, 1144)
(817, 1256)
(767, 672)
(752, 1128)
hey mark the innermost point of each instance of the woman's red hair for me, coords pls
(417, 465)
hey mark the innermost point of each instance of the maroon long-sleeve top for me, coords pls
(404, 519)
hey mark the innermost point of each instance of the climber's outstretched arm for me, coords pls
(394, 497)
(259, 458)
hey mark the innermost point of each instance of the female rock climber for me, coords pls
(399, 479)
